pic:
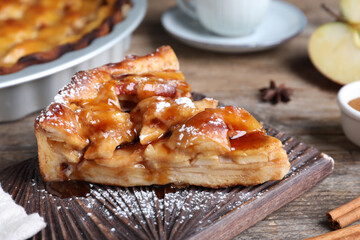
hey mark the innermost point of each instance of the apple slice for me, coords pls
(333, 49)
(350, 9)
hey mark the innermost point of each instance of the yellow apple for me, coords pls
(334, 49)
(350, 9)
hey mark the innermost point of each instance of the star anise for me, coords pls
(275, 94)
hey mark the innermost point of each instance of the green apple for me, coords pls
(350, 10)
(334, 49)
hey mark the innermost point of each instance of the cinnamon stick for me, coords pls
(344, 215)
(349, 233)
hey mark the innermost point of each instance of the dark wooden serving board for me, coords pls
(163, 212)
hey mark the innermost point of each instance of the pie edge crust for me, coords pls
(105, 28)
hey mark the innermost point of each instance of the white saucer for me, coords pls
(283, 22)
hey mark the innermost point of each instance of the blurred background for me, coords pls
(312, 115)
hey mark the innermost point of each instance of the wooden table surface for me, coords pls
(312, 116)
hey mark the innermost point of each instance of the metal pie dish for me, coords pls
(34, 87)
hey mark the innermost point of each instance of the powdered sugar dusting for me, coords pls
(81, 82)
(161, 105)
(216, 121)
(141, 206)
(185, 101)
(53, 115)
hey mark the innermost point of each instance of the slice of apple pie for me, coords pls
(135, 123)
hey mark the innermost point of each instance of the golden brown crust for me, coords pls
(118, 14)
(166, 137)
(162, 59)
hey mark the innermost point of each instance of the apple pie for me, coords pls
(134, 123)
(37, 31)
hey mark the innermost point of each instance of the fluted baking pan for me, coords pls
(34, 87)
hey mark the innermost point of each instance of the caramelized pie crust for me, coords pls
(38, 31)
(134, 123)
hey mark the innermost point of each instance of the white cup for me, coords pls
(229, 18)
(350, 118)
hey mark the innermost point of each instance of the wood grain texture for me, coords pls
(182, 213)
(312, 116)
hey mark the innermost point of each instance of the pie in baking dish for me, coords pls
(37, 31)
(134, 123)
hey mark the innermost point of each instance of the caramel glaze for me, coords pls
(217, 125)
(98, 116)
(249, 141)
(167, 84)
(154, 116)
(99, 111)
(104, 123)
(68, 189)
(104, 117)
(133, 146)
(236, 119)
(161, 191)
(81, 189)
(127, 106)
